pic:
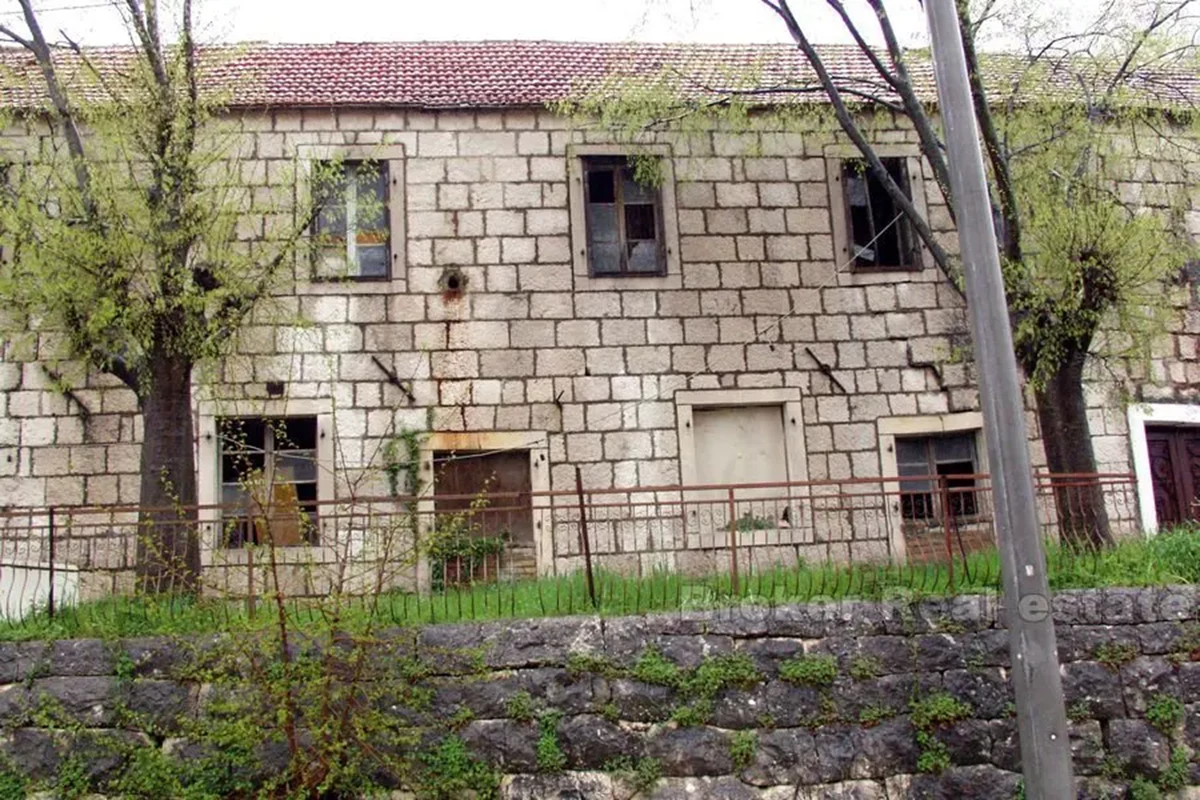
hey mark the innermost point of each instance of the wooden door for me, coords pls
(498, 484)
(1175, 472)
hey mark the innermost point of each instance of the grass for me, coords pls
(1168, 558)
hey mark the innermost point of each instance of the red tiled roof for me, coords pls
(508, 73)
(446, 74)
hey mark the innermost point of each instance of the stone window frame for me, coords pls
(393, 155)
(673, 277)
(1139, 416)
(208, 490)
(538, 445)
(686, 401)
(835, 155)
(889, 428)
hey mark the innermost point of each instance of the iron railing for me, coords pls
(51, 557)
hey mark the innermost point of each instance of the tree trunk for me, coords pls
(168, 550)
(1062, 414)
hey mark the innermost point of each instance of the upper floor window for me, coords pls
(880, 236)
(624, 220)
(351, 224)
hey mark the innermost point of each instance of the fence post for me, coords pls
(733, 559)
(584, 539)
(250, 601)
(947, 521)
(50, 544)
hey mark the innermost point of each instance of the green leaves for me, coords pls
(160, 236)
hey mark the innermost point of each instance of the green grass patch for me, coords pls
(1170, 557)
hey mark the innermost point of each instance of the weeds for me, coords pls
(864, 668)
(520, 707)
(641, 775)
(1115, 654)
(742, 749)
(809, 670)
(550, 756)
(1165, 713)
(872, 715)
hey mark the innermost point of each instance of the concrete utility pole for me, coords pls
(1041, 713)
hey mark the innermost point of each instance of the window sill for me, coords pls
(285, 556)
(878, 275)
(607, 283)
(862, 270)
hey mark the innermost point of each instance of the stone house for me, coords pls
(496, 278)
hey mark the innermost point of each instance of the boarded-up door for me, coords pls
(1175, 472)
(498, 484)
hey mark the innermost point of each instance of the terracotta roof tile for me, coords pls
(442, 74)
(500, 73)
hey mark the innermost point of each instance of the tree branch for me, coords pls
(1140, 40)
(930, 143)
(865, 48)
(62, 110)
(11, 34)
(145, 24)
(1009, 209)
(902, 201)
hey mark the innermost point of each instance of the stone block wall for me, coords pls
(847, 730)
(590, 368)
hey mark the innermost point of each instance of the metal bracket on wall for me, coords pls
(394, 380)
(826, 370)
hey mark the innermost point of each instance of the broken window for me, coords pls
(268, 478)
(623, 218)
(926, 464)
(350, 226)
(880, 236)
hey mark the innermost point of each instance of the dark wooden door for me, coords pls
(492, 491)
(1175, 472)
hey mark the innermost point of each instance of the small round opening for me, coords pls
(452, 283)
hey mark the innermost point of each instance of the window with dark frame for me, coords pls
(924, 463)
(268, 480)
(350, 226)
(623, 218)
(879, 240)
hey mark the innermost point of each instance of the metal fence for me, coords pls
(430, 544)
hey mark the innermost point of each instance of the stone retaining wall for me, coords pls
(841, 727)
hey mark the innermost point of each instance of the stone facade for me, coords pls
(849, 732)
(587, 369)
